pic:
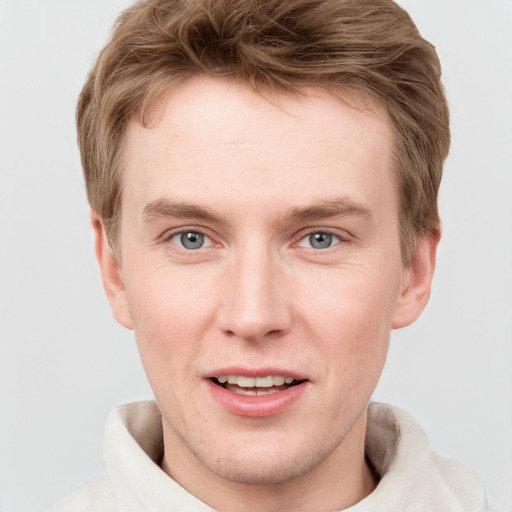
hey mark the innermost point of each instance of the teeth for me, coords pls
(243, 382)
(278, 380)
(264, 382)
(259, 382)
(255, 391)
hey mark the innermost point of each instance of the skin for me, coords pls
(269, 171)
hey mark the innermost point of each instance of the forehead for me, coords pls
(219, 138)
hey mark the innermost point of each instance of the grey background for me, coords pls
(65, 362)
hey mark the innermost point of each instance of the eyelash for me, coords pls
(168, 237)
(334, 235)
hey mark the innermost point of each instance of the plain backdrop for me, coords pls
(65, 363)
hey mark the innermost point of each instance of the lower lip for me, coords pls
(256, 406)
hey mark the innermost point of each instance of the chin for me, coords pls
(260, 473)
(268, 467)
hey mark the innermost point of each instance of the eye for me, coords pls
(319, 240)
(191, 240)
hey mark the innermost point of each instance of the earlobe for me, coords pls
(110, 274)
(415, 290)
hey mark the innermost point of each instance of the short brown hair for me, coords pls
(369, 47)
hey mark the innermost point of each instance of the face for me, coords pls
(261, 273)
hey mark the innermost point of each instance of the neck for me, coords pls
(338, 482)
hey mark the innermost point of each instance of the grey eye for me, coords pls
(320, 240)
(191, 240)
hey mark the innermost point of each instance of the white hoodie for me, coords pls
(413, 479)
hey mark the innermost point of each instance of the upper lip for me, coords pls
(255, 372)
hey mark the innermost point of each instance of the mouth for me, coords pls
(257, 393)
(255, 386)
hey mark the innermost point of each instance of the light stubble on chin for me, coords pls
(274, 470)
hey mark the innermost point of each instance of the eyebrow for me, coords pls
(337, 207)
(162, 208)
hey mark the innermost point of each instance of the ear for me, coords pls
(416, 283)
(110, 274)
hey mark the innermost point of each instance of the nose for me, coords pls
(255, 305)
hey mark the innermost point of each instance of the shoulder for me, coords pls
(412, 477)
(132, 444)
(97, 495)
(462, 486)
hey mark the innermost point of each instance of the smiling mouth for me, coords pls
(255, 386)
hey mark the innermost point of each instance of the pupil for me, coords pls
(320, 240)
(192, 240)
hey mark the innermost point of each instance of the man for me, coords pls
(263, 180)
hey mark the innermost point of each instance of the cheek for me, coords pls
(170, 313)
(168, 330)
(351, 323)
(351, 304)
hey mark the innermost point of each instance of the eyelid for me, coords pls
(168, 236)
(207, 241)
(342, 236)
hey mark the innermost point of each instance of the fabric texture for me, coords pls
(412, 478)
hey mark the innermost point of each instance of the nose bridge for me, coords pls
(255, 301)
